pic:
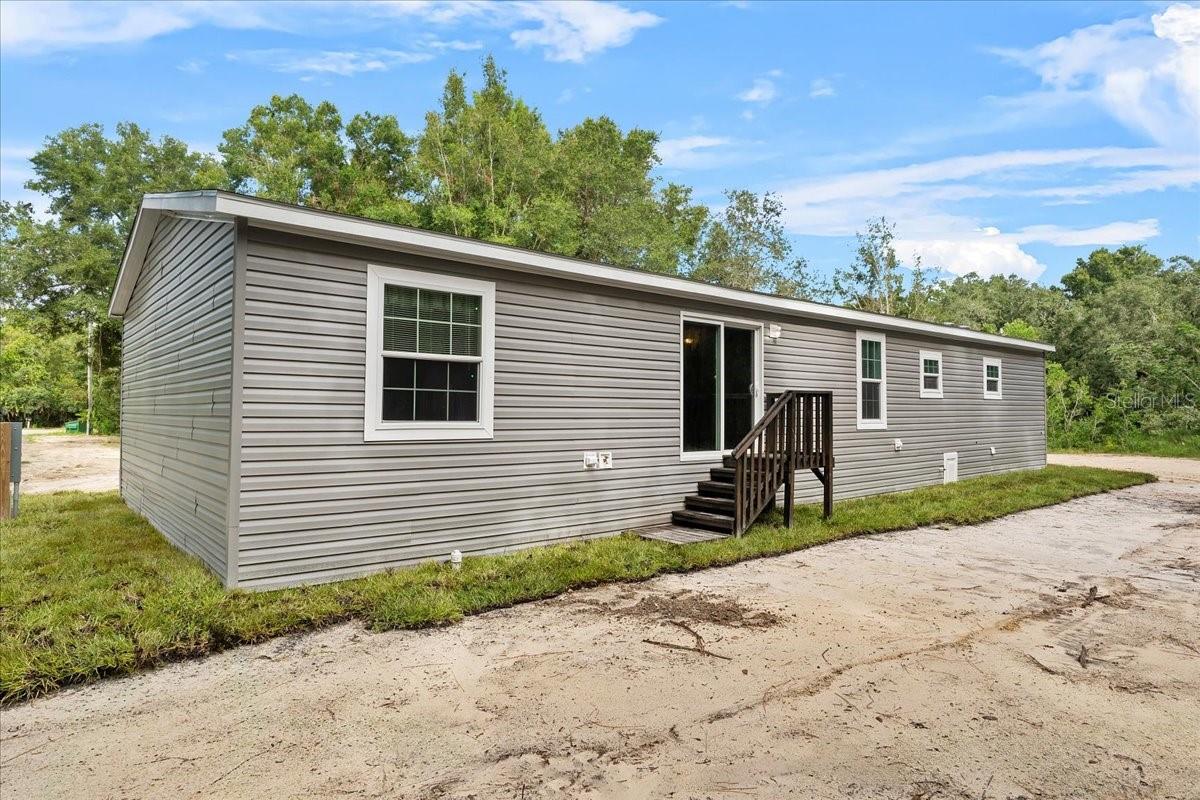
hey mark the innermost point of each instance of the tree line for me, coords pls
(486, 166)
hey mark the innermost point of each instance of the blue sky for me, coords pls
(999, 138)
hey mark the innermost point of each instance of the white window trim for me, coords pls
(999, 393)
(930, 355)
(374, 428)
(871, 336)
(733, 322)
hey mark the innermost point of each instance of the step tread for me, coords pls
(703, 519)
(721, 505)
(717, 488)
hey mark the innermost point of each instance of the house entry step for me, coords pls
(677, 534)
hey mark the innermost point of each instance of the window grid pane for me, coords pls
(419, 321)
(872, 359)
(932, 366)
(430, 322)
(444, 391)
(931, 382)
(993, 371)
(870, 401)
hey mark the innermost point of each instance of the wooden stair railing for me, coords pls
(796, 432)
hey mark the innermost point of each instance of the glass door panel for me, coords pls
(701, 371)
(738, 385)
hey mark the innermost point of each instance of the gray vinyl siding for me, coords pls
(578, 367)
(811, 356)
(175, 387)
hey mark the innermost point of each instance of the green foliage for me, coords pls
(745, 247)
(875, 281)
(296, 153)
(1104, 268)
(1127, 332)
(90, 590)
(41, 376)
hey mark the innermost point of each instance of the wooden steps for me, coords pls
(712, 507)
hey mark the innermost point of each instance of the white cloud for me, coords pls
(572, 31)
(965, 177)
(328, 62)
(821, 87)
(921, 200)
(1101, 235)
(762, 92)
(1144, 73)
(32, 27)
(691, 152)
(985, 255)
(434, 43)
(193, 66)
(565, 31)
(987, 251)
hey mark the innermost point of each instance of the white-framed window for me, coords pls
(931, 373)
(430, 356)
(872, 380)
(993, 380)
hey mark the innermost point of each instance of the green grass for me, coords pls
(1168, 445)
(88, 589)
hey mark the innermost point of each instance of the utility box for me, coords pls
(949, 467)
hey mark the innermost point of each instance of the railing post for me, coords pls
(827, 450)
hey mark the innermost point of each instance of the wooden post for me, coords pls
(789, 497)
(827, 447)
(6, 429)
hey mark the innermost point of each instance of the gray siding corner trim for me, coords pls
(237, 371)
(176, 383)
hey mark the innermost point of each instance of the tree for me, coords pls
(873, 281)
(62, 269)
(483, 160)
(291, 151)
(989, 304)
(744, 247)
(95, 184)
(601, 185)
(1104, 267)
(41, 376)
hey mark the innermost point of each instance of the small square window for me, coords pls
(993, 379)
(931, 374)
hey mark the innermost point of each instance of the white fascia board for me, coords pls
(323, 224)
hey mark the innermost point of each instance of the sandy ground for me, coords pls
(1167, 469)
(59, 463)
(960, 663)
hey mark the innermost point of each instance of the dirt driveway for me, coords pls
(54, 462)
(924, 664)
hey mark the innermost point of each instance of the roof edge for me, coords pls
(218, 204)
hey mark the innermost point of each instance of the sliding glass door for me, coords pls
(720, 384)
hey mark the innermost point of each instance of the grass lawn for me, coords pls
(88, 589)
(1173, 445)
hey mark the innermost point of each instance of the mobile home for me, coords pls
(307, 396)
